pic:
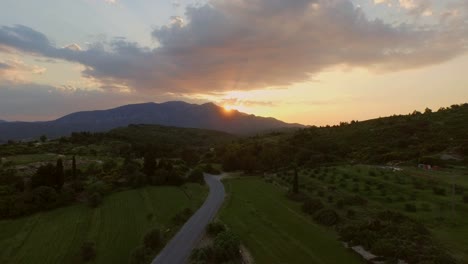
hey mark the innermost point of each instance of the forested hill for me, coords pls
(396, 138)
(435, 138)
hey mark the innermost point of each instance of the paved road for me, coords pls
(178, 250)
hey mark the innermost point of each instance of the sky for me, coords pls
(314, 62)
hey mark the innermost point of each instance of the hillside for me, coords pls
(436, 138)
(177, 114)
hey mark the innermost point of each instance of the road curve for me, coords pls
(178, 250)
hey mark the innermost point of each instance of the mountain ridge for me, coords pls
(172, 113)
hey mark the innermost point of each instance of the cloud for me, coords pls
(73, 47)
(17, 71)
(417, 7)
(33, 102)
(252, 44)
(248, 103)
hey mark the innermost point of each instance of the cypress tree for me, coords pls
(59, 175)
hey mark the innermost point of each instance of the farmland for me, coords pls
(433, 198)
(116, 227)
(274, 229)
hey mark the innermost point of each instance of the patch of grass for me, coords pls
(116, 227)
(274, 229)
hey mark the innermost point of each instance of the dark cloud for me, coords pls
(252, 44)
(4, 66)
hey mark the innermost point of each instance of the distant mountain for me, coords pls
(2, 121)
(177, 114)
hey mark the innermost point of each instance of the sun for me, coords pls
(228, 108)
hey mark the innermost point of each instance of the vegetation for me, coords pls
(224, 246)
(115, 228)
(437, 139)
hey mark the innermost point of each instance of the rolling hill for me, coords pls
(176, 114)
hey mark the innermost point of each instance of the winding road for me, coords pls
(178, 250)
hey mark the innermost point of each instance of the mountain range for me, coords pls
(176, 113)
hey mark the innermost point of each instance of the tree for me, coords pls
(295, 181)
(74, 167)
(44, 176)
(196, 175)
(226, 246)
(427, 111)
(149, 164)
(43, 138)
(59, 175)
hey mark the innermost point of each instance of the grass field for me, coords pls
(274, 229)
(116, 227)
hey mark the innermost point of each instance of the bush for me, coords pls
(208, 168)
(214, 228)
(226, 246)
(196, 175)
(45, 197)
(465, 198)
(310, 206)
(182, 216)
(152, 239)
(327, 217)
(410, 207)
(94, 200)
(439, 191)
(88, 252)
(350, 213)
(201, 255)
(98, 187)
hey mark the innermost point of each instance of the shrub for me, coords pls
(465, 198)
(310, 206)
(208, 168)
(385, 248)
(88, 252)
(182, 216)
(350, 213)
(152, 239)
(201, 255)
(214, 228)
(196, 175)
(439, 191)
(327, 217)
(426, 207)
(45, 197)
(410, 207)
(226, 246)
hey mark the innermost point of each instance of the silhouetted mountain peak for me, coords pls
(174, 113)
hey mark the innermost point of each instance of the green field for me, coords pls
(274, 229)
(116, 227)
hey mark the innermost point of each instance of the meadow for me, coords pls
(274, 229)
(116, 226)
